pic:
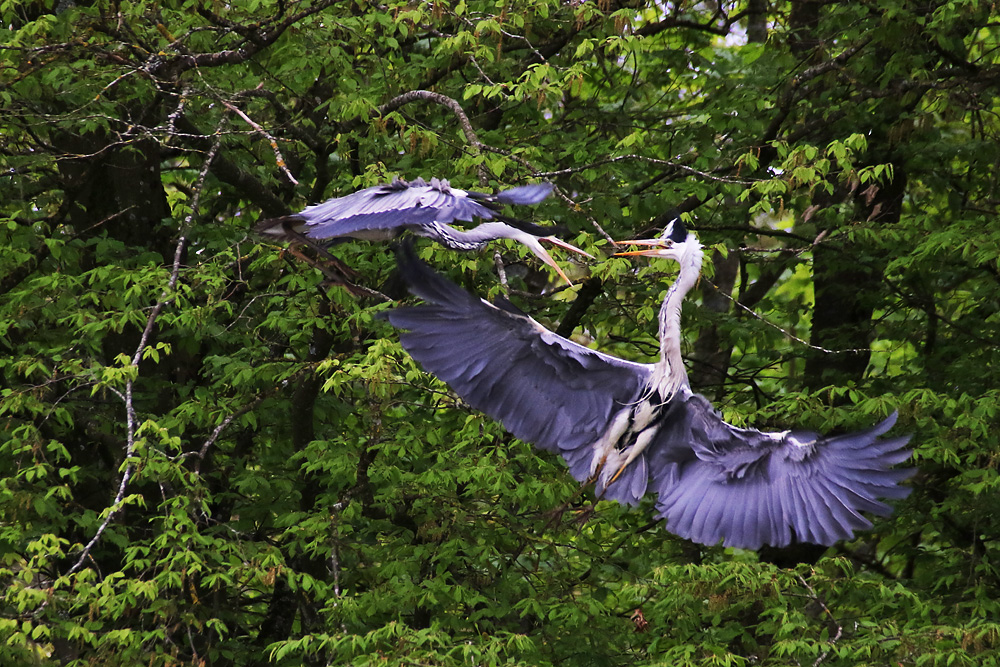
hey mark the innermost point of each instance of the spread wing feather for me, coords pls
(524, 195)
(399, 205)
(749, 488)
(544, 389)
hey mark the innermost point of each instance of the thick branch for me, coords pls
(589, 291)
(256, 40)
(437, 98)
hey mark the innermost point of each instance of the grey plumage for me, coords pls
(425, 209)
(636, 427)
(382, 210)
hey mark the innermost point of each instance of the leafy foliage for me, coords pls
(210, 456)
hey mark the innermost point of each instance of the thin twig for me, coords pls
(789, 334)
(480, 147)
(591, 219)
(651, 160)
(221, 427)
(501, 272)
(826, 610)
(483, 74)
(819, 239)
(130, 414)
(279, 159)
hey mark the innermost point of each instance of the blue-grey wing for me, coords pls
(524, 195)
(366, 225)
(545, 389)
(748, 488)
(392, 206)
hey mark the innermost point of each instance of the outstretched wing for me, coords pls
(545, 389)
(718, 482)
(524, 195)
(401, 204)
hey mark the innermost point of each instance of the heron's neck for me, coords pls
(471, 239)
(670, 368)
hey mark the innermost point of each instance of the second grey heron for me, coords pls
(426, 209)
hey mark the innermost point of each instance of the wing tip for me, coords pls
(522, 195)
(747, 500)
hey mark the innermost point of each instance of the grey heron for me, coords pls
(634, 427)
(426, 209)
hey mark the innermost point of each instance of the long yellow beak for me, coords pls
(565, 246)
(542, 254)
(655, 247)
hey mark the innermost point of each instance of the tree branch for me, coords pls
(826, 610)
(256, 40)
(450, 104)
(130, 414)
(278, 157)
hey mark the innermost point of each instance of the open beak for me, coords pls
(656, 247)
(565, 246)
(532, 243)
(543, 254)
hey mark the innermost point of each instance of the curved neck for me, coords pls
(471, 239)
(670, 373)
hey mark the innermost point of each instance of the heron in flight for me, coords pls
(635, 428)
(426, 209)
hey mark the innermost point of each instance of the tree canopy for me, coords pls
(210, 455)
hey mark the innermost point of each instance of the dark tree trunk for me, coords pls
(848, 286)
(711, 357)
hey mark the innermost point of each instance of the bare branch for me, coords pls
(201, 453)
(437, 98)
(130, 414)
(447, 102)
(826, 610)
(278, 158)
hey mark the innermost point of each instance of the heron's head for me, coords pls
(674, 243)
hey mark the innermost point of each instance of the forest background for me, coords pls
(210, 456)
